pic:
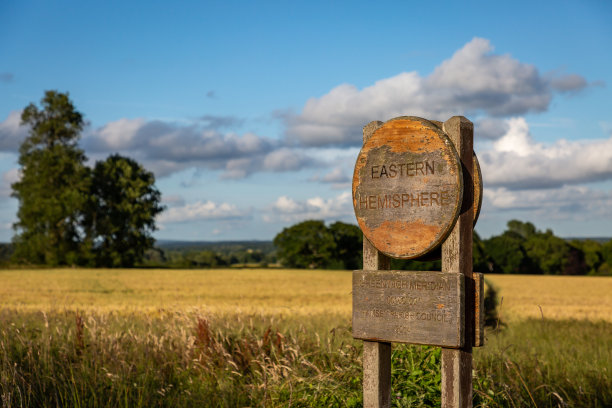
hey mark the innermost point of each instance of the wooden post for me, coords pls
(457, 258)
(376, 355)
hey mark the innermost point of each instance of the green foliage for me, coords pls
(122, 210)
(6, 252)
(481, 261)
(553, 255)
(349, 245)
(415, 376)
(54, 183)
(69, 214)
(310, 244)
(508, 253)
(491, 303)
(593, 256)
(524, 249)
(524, 229)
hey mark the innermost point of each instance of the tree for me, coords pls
(524, 229)
(121, 212)
(349, 245)
(308, 244)
(508, 254)
(555, 256)
(592, 254)
(52, 191)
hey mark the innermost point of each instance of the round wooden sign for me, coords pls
(436, 253)
(407, 187)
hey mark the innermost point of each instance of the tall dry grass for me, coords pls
(186, 338)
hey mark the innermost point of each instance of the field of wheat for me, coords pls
(277, 337)
(273, 292)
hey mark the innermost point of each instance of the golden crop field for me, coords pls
(272, 291)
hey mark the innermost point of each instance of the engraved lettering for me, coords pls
(433, 196)
(363, 202)
(430, 167)
(382, 203)
(392, 171)
(412, 169)
(383, 170)
(396, 201)
(409, 168)
(424, 198)
(419, 167)
(412, 199)
(444, 198)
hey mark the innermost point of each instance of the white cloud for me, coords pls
(516, 161)
(166, 148)
(578, 203)
(12, 134)
(473, 81)
(289, 210)
(202, 211)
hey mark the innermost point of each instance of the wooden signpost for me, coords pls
(417, 190)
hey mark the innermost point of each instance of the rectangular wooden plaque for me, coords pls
(409, 307)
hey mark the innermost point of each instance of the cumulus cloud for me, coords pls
(516, 161)
(12, 134)
(202, 211)
(578, 203)
(166, 148)
(490, 128)
(289, 210)
(473, 81)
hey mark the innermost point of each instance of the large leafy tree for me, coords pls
(308, 244)
(54, 183)
(121, 213)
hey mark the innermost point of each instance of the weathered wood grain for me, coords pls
(376, 355)
(457, 258)
(419, 307)
(479, 312)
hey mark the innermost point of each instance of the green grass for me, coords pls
(227, 360)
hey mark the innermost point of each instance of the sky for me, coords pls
(250, 113)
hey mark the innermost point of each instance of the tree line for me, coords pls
(520, 249)
(69, 213)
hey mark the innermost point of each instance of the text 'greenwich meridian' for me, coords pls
(404, 284)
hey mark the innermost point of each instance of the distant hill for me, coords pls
(601, 240)
(264, 247)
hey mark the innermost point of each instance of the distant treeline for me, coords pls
(520, 249)
(185, 254)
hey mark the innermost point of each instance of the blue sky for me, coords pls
(249, 113)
